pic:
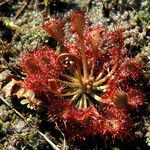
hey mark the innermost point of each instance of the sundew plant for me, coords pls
(91, 85)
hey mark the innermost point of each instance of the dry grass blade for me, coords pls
(55, 147)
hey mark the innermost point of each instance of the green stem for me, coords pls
(80, 104)
(84, 59)
(71, 84)
(100, 75)
(79, 75)
(84, 101)
(70, 93)
(96, 97)
(92, 69)
(75, 97)
(70, 78)
(101, 88)
(106, 77)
